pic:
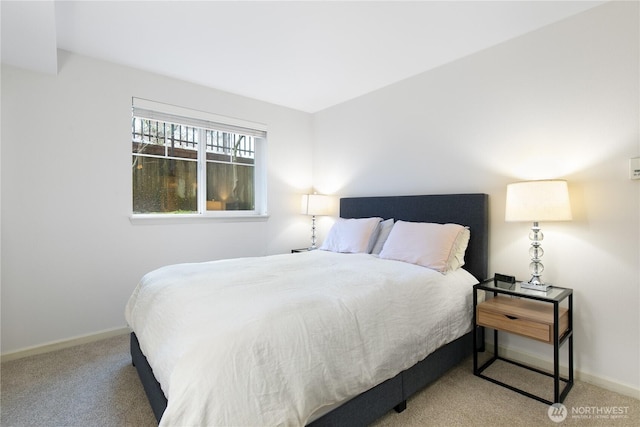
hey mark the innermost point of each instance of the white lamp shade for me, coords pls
(538, 201)
(315, 204)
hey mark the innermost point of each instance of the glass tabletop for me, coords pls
(554, 293)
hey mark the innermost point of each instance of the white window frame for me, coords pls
(154, 110)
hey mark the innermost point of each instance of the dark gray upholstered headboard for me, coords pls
(471, 210)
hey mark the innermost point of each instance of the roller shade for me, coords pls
(152, 110)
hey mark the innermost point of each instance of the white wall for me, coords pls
(562, 102)
(70, 255)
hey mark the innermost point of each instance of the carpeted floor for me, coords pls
(95, 385)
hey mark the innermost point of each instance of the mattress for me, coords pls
(278, 340)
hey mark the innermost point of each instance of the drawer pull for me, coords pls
(510, 317)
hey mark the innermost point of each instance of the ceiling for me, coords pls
(306, 55)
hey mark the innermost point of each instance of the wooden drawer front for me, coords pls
(527, 328)
(523, 317)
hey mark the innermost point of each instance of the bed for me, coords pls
(390, 390)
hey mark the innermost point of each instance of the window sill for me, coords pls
(156, 219)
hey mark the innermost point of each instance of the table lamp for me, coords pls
(537, 201)
(314, 205)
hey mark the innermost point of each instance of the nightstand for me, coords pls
(532, 314)
(295, 251)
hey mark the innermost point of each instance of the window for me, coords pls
(193, 163)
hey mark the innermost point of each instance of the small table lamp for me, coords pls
(315, 204)
(537, 201)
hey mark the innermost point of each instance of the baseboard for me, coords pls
(59, 345)
(547, 365)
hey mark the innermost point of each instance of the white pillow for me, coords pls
(352, 235)
(456, 259)
(384, 229)
(436, 246)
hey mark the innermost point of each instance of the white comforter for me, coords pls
(274, 340)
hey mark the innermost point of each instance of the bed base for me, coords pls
(363, 409)
(151, 386)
